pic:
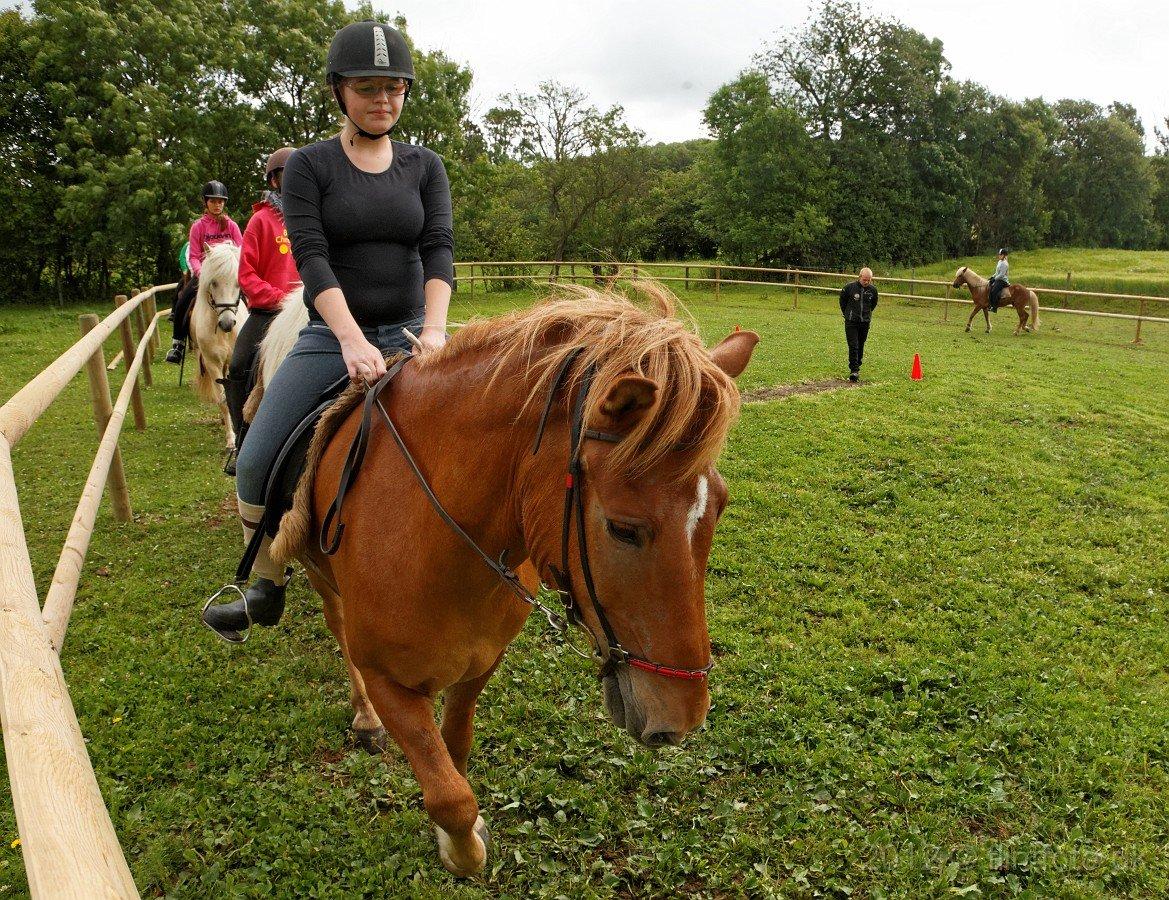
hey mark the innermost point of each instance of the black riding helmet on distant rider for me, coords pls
(368, 50)
(215, 190)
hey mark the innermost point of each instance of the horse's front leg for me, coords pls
(367, 727)
(458, 717)
(224, 413)
(973, 313)
(409, 718)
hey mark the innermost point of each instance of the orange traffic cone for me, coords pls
(915, 372)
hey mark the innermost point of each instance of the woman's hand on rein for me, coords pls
(363, 360)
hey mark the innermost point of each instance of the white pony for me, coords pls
(216, 318)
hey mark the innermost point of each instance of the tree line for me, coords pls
(843, 141)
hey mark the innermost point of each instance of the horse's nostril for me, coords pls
(662, 739)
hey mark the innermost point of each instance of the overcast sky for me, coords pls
(661, 59)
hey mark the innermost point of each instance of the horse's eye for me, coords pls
(627, 534)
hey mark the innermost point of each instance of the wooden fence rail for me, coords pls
(795, 280)
(69, 845)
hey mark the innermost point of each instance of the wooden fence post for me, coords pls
(717, 273)
(946, 305)
(796, 296)
(1069, 287)
(140, 321)
(687, 278)
(572, 272)
(1144, 309)
(912, 279)
(151, 312)
(128, 357)
(103, 409)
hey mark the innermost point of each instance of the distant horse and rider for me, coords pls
(988, 296)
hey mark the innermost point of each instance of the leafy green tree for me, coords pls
(767, 179)
(1098, 177)
(28, 190)
(1159, 166)
(582, 159)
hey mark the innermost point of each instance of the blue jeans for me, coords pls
(314, 363)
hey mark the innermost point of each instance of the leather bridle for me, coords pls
(614, 654)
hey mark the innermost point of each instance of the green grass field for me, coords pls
(938, 612)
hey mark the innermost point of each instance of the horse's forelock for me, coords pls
(221, 260)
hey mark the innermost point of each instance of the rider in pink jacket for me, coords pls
(213, 227)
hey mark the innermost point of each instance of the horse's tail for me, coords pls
(1033, 303)
(276, 345)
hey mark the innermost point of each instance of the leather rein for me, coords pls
(614, 654)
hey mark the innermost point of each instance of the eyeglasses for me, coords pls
(368, 90)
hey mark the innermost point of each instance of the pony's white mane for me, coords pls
(282, 333)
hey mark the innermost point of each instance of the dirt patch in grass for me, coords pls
(779, 391)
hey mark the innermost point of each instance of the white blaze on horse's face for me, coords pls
(698, 510)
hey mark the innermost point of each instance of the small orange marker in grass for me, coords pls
(915, 372)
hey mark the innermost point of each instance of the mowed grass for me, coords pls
(938, 612)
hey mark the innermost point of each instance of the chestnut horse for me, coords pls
(1023, 299)
(625, 400)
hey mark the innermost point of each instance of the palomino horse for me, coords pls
(216, 318)
(580, 437)
(1023, 299)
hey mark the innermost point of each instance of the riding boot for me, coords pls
(263, 602)
(178, 349)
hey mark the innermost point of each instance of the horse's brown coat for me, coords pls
(417, 613)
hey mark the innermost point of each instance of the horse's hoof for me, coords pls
(372, 740)
(475, 863)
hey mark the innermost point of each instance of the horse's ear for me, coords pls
(627, 401)
(734, 351)
(206, 248)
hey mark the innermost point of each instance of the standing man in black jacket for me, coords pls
(858, 299)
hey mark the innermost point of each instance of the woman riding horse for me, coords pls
(213, 227)
(370, 223)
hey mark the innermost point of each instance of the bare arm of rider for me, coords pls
(438, 301)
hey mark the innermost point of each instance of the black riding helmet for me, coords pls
(214, 190)
(368, 50)
(1003, 251)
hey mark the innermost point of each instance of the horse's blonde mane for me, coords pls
(696, 405)
(697, 401)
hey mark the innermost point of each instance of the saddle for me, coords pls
(997, 286)
(284, 475)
